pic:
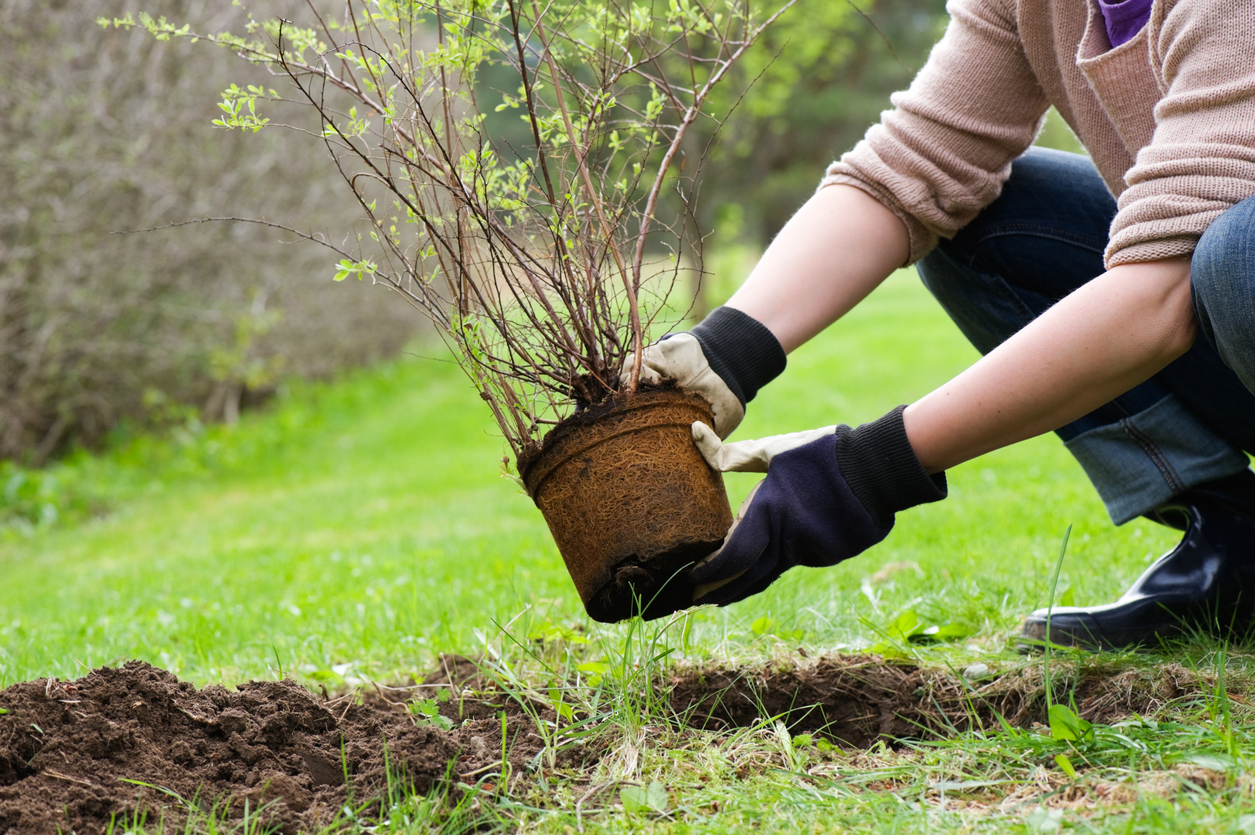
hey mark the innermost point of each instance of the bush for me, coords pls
(110, 131)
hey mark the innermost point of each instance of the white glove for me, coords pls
(680, 358)
(753, 456)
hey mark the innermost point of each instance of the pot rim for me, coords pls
(553, 453)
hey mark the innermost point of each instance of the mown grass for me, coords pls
(368, 523)
(353, 531)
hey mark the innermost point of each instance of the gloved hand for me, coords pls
(726, 359)
(829, 495)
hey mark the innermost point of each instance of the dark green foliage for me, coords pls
(824, 74)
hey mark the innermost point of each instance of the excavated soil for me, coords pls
(74, 755)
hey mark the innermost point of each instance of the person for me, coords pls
(1112, 298)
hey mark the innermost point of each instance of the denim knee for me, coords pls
(1222, 282)
(984, 307)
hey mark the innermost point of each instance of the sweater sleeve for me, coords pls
(1201, 158)
(944, 150)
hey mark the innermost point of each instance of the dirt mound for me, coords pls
(73, 755)
(76, 755)
(857, 700)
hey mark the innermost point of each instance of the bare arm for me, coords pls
(838, 248)
(1094, 345)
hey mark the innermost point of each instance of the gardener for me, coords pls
(1125, 324)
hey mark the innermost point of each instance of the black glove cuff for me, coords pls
(881, 469)
(741, 350)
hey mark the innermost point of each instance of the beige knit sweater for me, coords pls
(1168, 117)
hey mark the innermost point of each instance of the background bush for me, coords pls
(107, 131)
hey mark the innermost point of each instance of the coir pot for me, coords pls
(630, 501)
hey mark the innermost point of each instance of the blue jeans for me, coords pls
(1041, 239)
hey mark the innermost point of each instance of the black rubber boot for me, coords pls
(1206, 584)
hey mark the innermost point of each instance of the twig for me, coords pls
(258, 221)
(579, 823)
(68, 778)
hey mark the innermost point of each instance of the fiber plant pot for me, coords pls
(630, 501)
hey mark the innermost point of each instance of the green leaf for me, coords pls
(1065, 765)
(906, 625)
(942, 632)
(1066, 726)
(651, 798)
(3, 711)
(426, 710)
(358, 268)
(761, 626)
(1212, 762)
(909, 627)
(596, 671)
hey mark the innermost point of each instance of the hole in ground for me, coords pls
(858, 700)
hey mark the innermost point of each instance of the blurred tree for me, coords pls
(107, 131)
(806, 93)
(820, 79)
(823, 76)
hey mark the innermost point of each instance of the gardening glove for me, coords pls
(726, 359)
(829, 495)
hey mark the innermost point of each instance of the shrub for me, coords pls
(106, 132)
(528, 253)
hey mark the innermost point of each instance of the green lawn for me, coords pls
(367, 523)
(352, 531)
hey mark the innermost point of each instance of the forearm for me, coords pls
(1094, 345)
(838, 247)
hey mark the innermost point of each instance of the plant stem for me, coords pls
(1054, 584)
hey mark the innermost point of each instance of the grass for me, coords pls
(353, 531)
(367, 524)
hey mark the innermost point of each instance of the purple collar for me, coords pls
(1124, 18)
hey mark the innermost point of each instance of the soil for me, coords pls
(68, 749)
(586, 416)
(74, 755)
(859, 700)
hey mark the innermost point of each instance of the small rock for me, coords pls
(977, 672)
